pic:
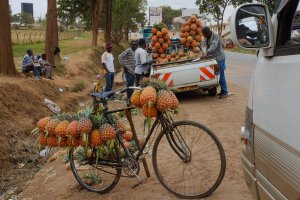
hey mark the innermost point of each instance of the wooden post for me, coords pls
(129, 118)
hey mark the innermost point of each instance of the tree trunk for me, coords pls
(108, 21)
(7, 65)
(126, 33)
(95, 20)
(51, 31)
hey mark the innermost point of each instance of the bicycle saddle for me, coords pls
(103, 95)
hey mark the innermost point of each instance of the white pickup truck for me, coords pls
(189, 74)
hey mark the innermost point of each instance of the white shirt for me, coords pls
(141, 57)
(108, 59)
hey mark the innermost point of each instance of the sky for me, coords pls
(40, 6)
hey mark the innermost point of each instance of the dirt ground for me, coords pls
(223, 116)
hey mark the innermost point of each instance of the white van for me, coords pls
(271, 136)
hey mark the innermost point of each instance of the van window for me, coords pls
(288, 32)
(295, 30)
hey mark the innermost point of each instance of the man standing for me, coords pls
(108, 65)
(126, 58)
(142, 62)
(31, 64)
(215, 49)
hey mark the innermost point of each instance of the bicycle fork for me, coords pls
(176, 140)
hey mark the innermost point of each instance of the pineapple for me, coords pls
(148, 95)
(95, 138)
(63, 142)
(149, 111)
(42, 139)
(164, 100)
(82, 142)
(175, 102)
(107, 132)
(135, 98)
(73, 129)
(85, 125)
(72, 142)
(120, 126)
(127, 144)
(61, 128)
(127, 136)
(52, 141)
(42, 123)
(51, 125)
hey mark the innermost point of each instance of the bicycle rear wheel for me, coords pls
(189, 160)
(99, 177)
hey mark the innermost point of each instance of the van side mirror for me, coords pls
(251, 27)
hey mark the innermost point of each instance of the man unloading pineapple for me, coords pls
(215, 50)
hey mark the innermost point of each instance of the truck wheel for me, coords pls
(212, 91)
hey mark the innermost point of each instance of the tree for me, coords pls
(108, 14)
(7, 65)
(51, 31)
(15, 18)
(168, 14)
(26, 18)
(216, 9)
(97, 11)
(270, 3)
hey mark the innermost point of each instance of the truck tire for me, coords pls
(212, 91)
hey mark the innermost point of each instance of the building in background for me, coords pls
(155, 15)
(27, 7)
(188, 12)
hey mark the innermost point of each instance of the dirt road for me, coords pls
(223, 116)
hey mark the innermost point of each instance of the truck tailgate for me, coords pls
(187, 73)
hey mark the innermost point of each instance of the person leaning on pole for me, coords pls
(215, 50)
(108, 65)
(126, 59)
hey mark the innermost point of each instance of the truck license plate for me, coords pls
(187, 88)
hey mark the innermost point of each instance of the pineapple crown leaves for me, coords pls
(87, 112)
(156, 83)
(97, 120)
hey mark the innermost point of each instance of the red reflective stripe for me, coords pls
(207, 73)
(171, 83)
(166, 77)
(202, 78)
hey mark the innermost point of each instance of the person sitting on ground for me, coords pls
(142, 62)
(31, 64)
(126, 58)
(47, 68)
(108, 65)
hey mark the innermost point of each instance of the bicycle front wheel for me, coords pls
(189, 160)
(96, 176)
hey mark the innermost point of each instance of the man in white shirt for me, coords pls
(109, 69)
(142, 62)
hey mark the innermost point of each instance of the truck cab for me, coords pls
(270, 150)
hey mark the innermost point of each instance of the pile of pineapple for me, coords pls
(191, 34)
(154, 97)
(85, 128)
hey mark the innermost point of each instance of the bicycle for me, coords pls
(188, 159)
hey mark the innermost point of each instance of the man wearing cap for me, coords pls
(31, 64)
(126, 58)
(215, 49)
(142, 62)
(108, 65)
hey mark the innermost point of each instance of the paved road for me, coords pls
(240, 68)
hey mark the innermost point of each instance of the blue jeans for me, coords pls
(129, 82)
(109, 76)
(222, 81)
(37, 71)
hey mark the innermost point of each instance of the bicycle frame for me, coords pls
(179, 146)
